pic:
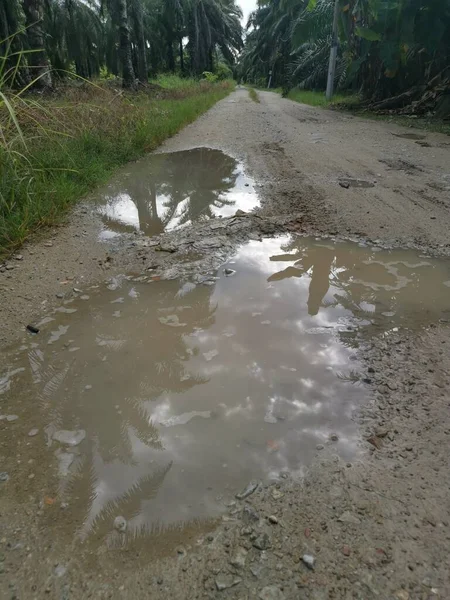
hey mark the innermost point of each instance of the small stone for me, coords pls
(307, 532)
(120, 524)
(271, 592)
(309, 560)
(229, 272)
(169, 249)
(320, 447)
(77, 290)
(371, 370)
(60, 570)
(9, 267)
(381, 432)
(401, 595)
(348, 517)
(160, 581)
(239, 558)
(240, 213)
(345, 550)
(32, 329)
(224, 581)
(375, 441)
(18, 257)
(48, 244)
(262, 542)
(71, 438)
(272, 519)
(276, 494)
(3, 477)
(11, 418)
(334, 437)
(247, 491)
(249, 514)
(60, 295)
(33, 432)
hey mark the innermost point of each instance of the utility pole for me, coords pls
(333, 52)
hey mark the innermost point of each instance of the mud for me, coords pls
(373, 513)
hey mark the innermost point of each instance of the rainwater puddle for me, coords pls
(159, 401)
(167, 191)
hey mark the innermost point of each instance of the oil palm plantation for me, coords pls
(389, 49)
(53, 37)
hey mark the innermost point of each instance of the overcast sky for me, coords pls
(247, 7)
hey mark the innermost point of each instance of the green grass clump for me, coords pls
(55, 149)
(253, 94)
(318, 98)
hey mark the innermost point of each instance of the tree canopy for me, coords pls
(387, 47)
(134, 39)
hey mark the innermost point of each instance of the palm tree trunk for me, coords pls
(170, 55)
(137, 17)
(38, 60)
(128, 80)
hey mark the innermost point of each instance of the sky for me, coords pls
(247, 7)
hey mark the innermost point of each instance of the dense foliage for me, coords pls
(41, 40)
(388, 48)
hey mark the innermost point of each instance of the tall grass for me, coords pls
(54, 149)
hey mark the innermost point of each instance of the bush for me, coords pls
(210, 77)
(223, 71)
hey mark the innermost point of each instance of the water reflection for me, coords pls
(165, 191)
(184, 393)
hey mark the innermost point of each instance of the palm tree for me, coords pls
(37, 59)
(213, 24)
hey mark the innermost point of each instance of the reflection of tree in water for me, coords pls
(153, 356)
(190, 183)
(358, 276)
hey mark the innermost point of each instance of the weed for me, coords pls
(253, 94)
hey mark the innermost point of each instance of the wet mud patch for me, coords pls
(143, 408)
(163, 192)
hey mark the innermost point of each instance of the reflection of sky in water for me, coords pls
(166, 191)
(189, 392)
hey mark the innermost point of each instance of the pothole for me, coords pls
(158, 402)
(163, 192)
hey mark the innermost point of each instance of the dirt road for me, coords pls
(375, 528)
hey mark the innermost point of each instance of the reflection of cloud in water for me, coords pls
(180, 418)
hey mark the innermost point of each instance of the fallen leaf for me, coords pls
(307, 532)
(345, 550)
(49, 501)
(156, 278)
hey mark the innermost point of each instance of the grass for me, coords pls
(427, 124)
(253, 94)
(318, 98)
(58, 148)
(341, 100)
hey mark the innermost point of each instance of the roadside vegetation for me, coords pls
(253, 94)
(394, 55)
(88, 86)
(54, 150)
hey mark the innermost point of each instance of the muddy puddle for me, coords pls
(167, 191)
(158, 401)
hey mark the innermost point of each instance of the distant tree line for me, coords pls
(392, 52)
(41, 40)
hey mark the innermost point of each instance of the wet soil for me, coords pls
(107, 463)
